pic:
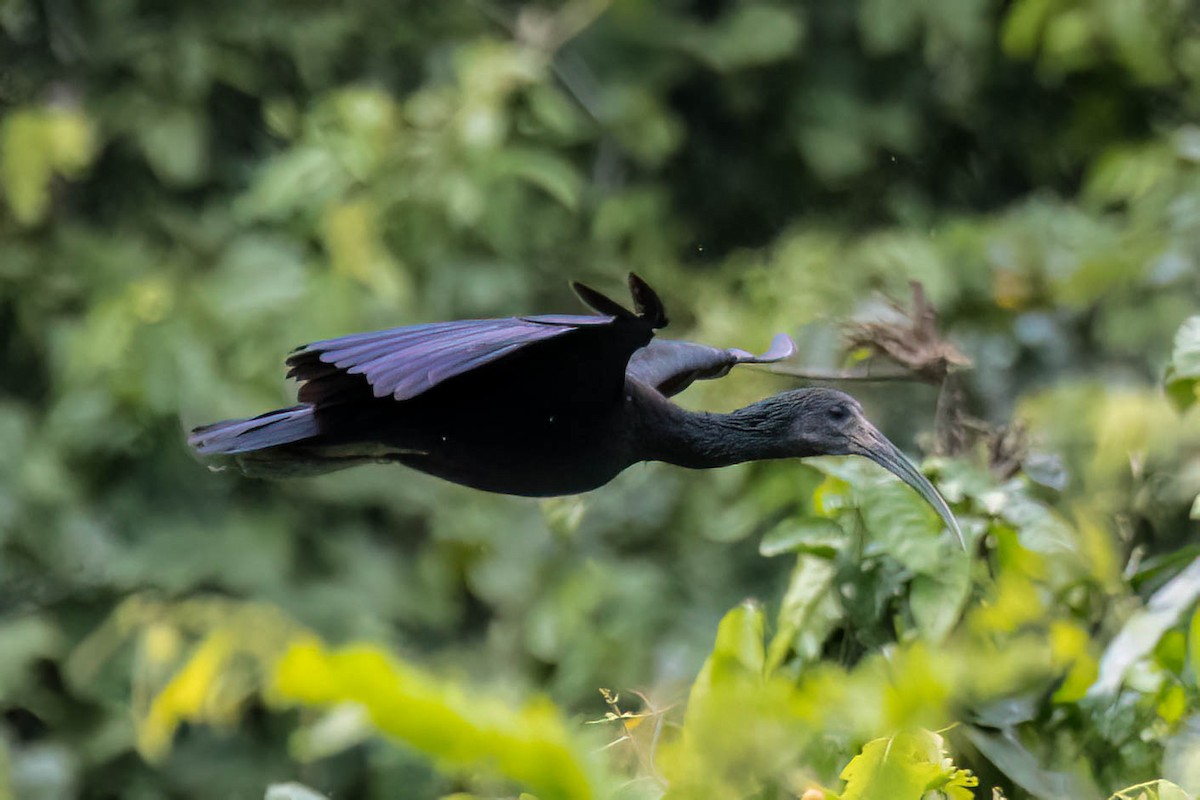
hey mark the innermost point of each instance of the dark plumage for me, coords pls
(538, 406)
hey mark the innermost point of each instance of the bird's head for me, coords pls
(828, 422)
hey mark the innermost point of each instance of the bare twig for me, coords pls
(865, 375)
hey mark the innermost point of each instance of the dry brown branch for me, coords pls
(913, 342)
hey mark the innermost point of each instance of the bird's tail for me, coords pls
(236, 436)
(271, 445)
(285, 443)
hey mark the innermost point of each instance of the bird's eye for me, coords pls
(838, 413)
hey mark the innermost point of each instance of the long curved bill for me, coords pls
(874, 445)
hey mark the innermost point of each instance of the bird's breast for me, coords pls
(532, 454)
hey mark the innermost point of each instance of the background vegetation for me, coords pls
(191, 189)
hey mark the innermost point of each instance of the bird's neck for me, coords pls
(703, 440)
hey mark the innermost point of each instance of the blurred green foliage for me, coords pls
(190, 190)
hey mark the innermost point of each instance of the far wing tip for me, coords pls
(782, 347)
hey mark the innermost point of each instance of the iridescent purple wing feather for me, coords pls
(405, 362)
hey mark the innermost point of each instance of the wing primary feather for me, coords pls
(601, 303)
(647, 303)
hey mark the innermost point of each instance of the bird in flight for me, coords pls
(539, 406)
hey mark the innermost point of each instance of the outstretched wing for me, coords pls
(671, 366)
(562, 353)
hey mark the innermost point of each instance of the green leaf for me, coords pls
(905, 767)
(544, 169)
(1152, 790)
(175, 143)
(292, 791)
(1127, 172)
(887, 27)
(749, 36)
(258, 274)
(738, 650)
(937, 599)
(1022, 30)
(35, 145)
(737, 657)
(24, 640)
(808, 612)
(1183, 373)
(902, 525)
(816, 535)
(1194, 644)
(1142, 632)
(1015, 761)
(529, 744)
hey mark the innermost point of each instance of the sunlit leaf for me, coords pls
(1152, 790)
(37, 144)
(292, 791)
(189, 696)
(529, 744)
(355, 247)
(905, 767)
(1194, 644)
(1143, 630)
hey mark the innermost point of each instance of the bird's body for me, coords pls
(537, 406)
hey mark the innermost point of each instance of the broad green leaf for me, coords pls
(902, 525)
(808, 612)
(937, 598)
